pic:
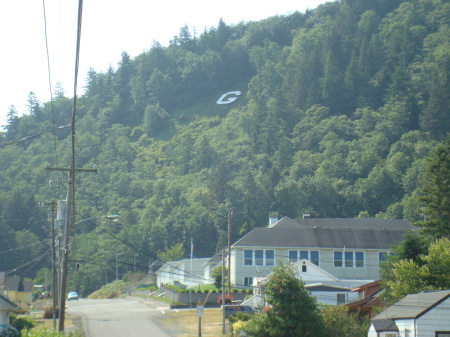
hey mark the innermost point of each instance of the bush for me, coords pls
(237, 327)
(48, 312)
(174, 288)
(147, 287)
(22, 322)
(11, 332)
(239, 316)
(42, 332)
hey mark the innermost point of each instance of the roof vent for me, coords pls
(306, 216)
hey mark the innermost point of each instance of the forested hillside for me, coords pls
(339, 107)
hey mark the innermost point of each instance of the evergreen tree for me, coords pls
(12, 120)
(434, 199)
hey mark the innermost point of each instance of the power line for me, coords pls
(50, 82)
(38, 258)
(34, 136)
(19, 248)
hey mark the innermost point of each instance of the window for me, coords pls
(259, 257)
(304, 255)
(338, 259)
(270, 257)
(442, 333)
(359, 259)
(292, 256)
(382, 256)
(312, 256)
(248, 257)
(315, 257)
(349, 259)
(390, 334)
(352, 259)
(248, 281)
(304, 268)
(340, 299)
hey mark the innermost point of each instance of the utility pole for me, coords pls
(230, 213)
(66, 235)
(54, 273)
(54, 267)
(223, 291)
(70, 208)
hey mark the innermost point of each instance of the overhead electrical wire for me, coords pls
(34, 136)
(50, 83)
(147, 254)
(36, 259)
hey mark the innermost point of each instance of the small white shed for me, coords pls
(425, 314)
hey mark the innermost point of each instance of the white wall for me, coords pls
(4, 319)
(326, 257)
(437, 319)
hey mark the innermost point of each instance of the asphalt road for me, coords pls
(117, 318)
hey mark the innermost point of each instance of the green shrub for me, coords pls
(151, 287)
(22, 322)
(174, 288)
(240, 316)
(42, 332)
(11, 332)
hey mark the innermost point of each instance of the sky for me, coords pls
(109, 27)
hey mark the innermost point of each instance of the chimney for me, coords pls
(272, 221)
(306, 216)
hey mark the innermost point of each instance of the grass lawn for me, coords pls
(187, 321)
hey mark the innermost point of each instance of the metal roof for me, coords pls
(413, 306)
(363, 233)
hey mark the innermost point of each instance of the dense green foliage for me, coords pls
(435, 193)
(339, 107)
(42, 332)
(430, 272)
(291, 311)
(339, 321)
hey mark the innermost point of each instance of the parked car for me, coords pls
(72, 296)
(232, 309)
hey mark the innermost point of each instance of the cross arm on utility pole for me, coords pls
(67, 169)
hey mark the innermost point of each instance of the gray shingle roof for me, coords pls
(385, 325)
(363, 233)
(6, 303)
(414, 305)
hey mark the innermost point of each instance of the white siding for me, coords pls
(372, 332)
(4, 319)
(406, 327)
(326, 256)
(330, 297)
(437, 319)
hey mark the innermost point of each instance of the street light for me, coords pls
(113, 217)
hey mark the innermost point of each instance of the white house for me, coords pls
(348, 249)
(326, 288)
(5, 309)
(189, 272)
(425, 314)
